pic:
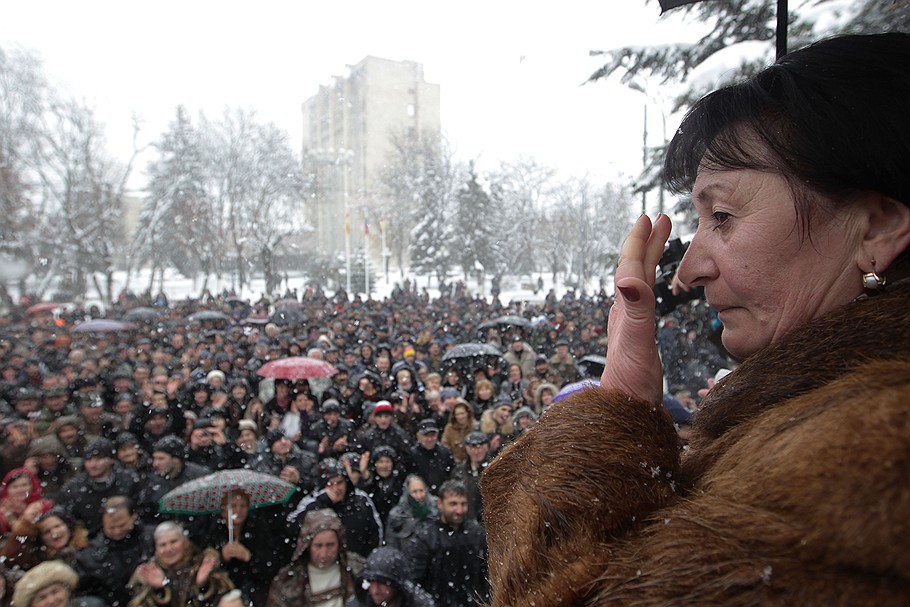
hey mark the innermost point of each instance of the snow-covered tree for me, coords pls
(475, 228)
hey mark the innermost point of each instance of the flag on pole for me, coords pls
(383, 223)
(366, 225)
(347, 224)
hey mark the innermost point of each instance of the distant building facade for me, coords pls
(347, 131)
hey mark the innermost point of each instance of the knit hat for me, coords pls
(45, 445)
(99, 447)
(383, 406)
(40, 577)
(171, 445)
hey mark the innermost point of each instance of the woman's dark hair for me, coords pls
(830, 118)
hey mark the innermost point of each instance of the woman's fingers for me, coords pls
(654, 249)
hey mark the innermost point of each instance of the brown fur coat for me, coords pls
(796, 490)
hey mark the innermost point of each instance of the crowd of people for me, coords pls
(385, 453)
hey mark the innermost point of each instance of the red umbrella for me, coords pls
(45, 306)
(296, 367)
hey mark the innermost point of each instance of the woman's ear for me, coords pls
(886, 235)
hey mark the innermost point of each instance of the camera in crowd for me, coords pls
(663, 284)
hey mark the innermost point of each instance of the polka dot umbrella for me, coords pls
(206, 494)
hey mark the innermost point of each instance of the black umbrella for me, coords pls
(286, 316)
(592, 365)
(506, 321)
(782, 14)
(207, 315)
(471, 356)
(142, 314)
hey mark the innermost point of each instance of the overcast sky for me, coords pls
(510, 72)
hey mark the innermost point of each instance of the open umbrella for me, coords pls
(296, 367)
(205, 494)
(286, 316)
(592, 365)
(44, 306)
(572, 388)
(472, 355)
(141, 314)
(207, 315)
(103, 326)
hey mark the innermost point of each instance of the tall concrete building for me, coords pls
(347, 131)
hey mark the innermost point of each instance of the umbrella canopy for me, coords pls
(205, 495)
(578, 386)
(287, 303)
(472, 355)
(44, 306)
(141, 314)
(592, 365)
(297, 367)
(207, 315)
(285, 316)
(103, 326)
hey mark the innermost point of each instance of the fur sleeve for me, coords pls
(594, 466)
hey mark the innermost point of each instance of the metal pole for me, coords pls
(644, 157)
(782, 18)
(366, 259)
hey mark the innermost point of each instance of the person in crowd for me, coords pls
(106, 564)
(468, 472)
(322, 570)
(385, 580)
(170, 471)
(562, 364)
(201, 449)
(415, 507)
(48, 536)
(497, 424)
(430, 460)
(252, 559)
(20, 496)
(362, 525)
(543, 397)
(798, 177)
(484, 393)
(241, 452)
(383, 480)
(47, 460)
(461, 423)
(178, 574)
(386, 432)
(449, 555)
(333, 434)
(523, 420)
(49, 584)
(520, 352)
(515, 384)
(286, 461)
(131, 457)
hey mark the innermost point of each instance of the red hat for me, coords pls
(383, 406)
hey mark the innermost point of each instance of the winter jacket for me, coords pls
(451, 564)
(362, 526)
(81, 497)
(525, 359)
(406, 517)
(793, 492)
(182, 590)
(303, 461)
(470, 476)
(432, 465)
(385, 492)
(291, 587)
(105, 567)
(321, 430)
(393, 436)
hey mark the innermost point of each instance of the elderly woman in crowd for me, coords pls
(49, 584)
(796, 488)
(178, 574)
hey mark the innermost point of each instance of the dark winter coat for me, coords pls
(157, 486)
(406, 517)
(321, 430)
(451, 564)
(303, 461)
(794, 491)
(434, 465)
(391, 567)
(471, 479)
(362, 526)
(385, 492)
(81, 497)
(291, 587)
(105, 566)
(393, 436)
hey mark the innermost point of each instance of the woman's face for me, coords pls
(760, 275)
(417, 490)
(19, 489)
(485, 392)
(54, 533)
(461, 416)
(514, 373)
(55, 595)
(169, 548)
(240, 509)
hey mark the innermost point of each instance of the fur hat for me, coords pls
(40, 577)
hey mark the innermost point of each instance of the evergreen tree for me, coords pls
(475, 228)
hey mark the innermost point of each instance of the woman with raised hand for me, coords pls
(796, 488)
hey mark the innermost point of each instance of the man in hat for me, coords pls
(358, 514)
(169, 470)
(430, 460)
(334, 435)
(386, 580)
(387, 432)
(83, 495)
(562, 363)
(55, 405)
(522, 353)
(477, 445)
(322, 571)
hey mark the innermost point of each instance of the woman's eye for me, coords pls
(720, 218)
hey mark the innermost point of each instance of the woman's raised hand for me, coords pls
(633, 363)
